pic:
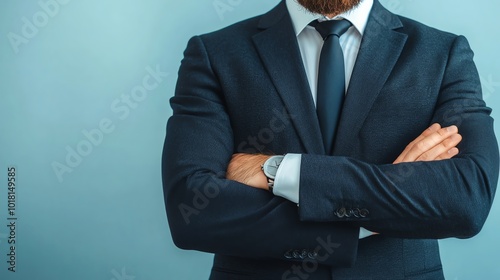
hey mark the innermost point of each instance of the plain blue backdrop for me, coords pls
(84, 101)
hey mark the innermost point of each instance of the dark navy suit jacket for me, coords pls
(244, 89)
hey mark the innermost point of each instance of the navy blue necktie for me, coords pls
(331, 79)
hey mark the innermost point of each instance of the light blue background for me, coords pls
(106, 219)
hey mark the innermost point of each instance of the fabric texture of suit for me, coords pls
(244, 89)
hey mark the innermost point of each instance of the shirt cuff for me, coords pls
(363, 233)
(287, 181)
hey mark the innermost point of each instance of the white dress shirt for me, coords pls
(287, 182)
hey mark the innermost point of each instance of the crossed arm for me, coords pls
(435, 143)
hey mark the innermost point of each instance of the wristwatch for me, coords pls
(270, 168)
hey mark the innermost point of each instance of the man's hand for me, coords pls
(435, 143)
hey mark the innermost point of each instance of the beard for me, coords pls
(329, 7)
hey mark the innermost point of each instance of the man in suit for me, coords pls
(373, 206)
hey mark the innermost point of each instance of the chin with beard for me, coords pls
(329, 7)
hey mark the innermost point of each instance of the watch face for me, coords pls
(271, 166)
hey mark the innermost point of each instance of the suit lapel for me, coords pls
(279, 51)
(380, 49)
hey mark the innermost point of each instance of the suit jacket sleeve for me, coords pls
(449, 198)
(205, 211)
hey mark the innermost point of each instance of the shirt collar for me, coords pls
(302, 17)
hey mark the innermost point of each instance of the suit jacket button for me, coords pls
(312, 255)
(340, 212)
(348, 213)
(288, 254)
(355, 212)
(363, 213)
(303, 254)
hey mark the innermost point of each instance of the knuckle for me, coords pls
(448, 143)
(421, 146)
(424, 157)
(442, 132)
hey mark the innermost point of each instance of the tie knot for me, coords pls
(331, 27)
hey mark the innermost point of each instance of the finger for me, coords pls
(441, 148)
(427, 143)
(433, 128)
(448, 154)
(430, 142)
